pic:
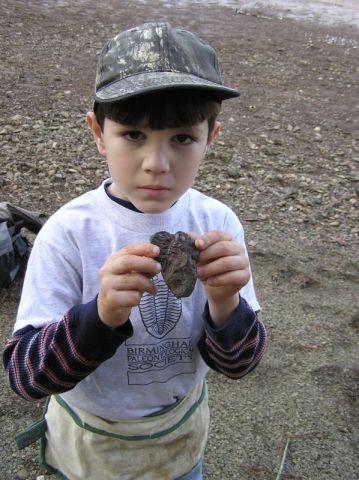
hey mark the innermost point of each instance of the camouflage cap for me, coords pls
(156, 56)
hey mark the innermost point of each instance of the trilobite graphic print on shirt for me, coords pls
(161, 312)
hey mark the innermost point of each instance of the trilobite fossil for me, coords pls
(178, 257)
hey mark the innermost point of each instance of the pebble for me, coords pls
(234, 172)
(22, 474)
(16, 118)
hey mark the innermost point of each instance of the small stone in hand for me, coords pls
(178, 258)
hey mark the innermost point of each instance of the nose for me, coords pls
(156, 159)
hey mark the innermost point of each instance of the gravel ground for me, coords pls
(286, 162)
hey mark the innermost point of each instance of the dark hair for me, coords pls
(161, 110)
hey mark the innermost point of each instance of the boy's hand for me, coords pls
(223, 268)
(124, 277)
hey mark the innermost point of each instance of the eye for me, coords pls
(183, 139)
(134, 135)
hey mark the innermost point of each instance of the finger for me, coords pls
(129, 282)
(116, 300)
(221, 249)
(139, 249)
(222, 265)
(237, 278)
(128, 263)
(204, 241)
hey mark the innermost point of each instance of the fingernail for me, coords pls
(200, 243)
(158, 267)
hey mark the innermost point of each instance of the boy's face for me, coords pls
(151, 168)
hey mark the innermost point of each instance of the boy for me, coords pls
(123, 359)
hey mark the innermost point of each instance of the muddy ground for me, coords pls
(286, 162)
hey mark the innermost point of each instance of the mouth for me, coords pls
(154, 192)
(153, 187)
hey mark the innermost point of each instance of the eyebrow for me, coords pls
(196, 127)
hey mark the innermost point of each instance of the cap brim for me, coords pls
(156, 81)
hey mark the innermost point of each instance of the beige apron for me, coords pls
(81, 446)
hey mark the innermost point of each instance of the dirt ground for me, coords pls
(286, 162)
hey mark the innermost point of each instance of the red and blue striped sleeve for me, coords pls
(54, 358)
(236, 348)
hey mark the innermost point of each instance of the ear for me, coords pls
(215, 131)
(97, 133)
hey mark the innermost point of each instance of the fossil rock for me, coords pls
(178, 257)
